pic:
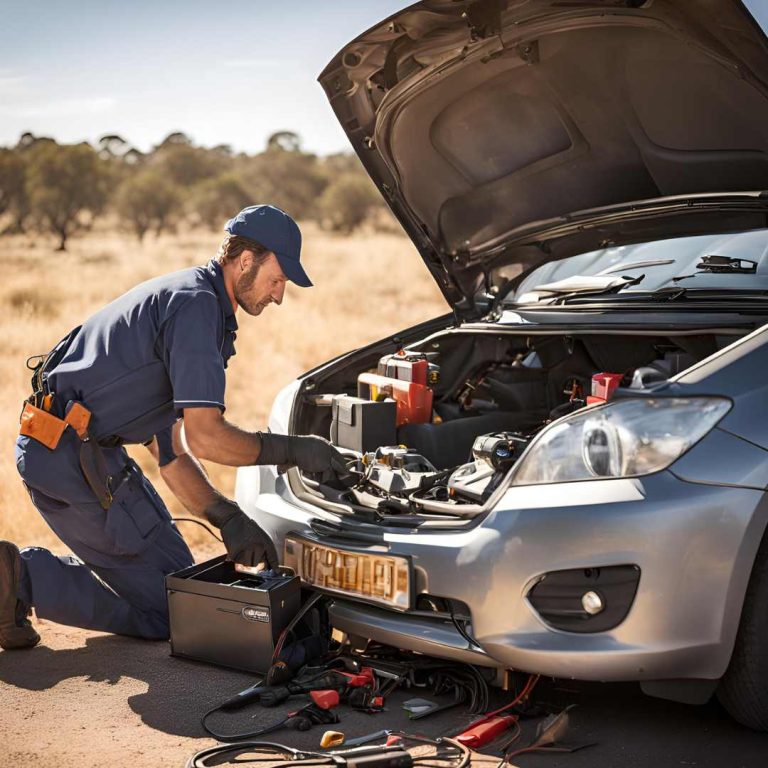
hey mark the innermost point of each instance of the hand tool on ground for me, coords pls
(365, 699)
(519, 699)
(300, 720)
(550, 737)
(478, 736)
(246, 696)
(324, 679)
(450, 754)
(331, 739)
(359, 741)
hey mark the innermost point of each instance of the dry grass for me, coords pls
(366, 286)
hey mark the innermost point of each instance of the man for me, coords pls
(147, 368)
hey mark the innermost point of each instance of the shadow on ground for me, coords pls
(629, 729)
(178, 692)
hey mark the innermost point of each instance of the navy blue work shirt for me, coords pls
(159, 348)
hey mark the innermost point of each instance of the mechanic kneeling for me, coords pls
(147, 368)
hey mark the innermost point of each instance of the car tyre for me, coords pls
(743, 690)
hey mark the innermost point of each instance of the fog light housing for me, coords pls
(592, 603)
(585, 599)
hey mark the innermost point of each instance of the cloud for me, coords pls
(23, 96)
(12, 86)
(61, 107)
(253, 63)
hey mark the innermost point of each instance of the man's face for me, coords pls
(259, 285)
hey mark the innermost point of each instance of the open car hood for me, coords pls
(514, 132)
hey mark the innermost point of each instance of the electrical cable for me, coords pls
(464, 755)
(522, 696)
(238, 737)
(449, 754)
(518, 731)
(293, 622)
(459, 628)
(199, 759)
(527, 688)
(197, 522)
(251, 695)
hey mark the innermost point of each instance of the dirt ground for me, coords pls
(85, 699)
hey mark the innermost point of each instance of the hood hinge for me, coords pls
(484, 18)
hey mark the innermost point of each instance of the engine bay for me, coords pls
(436, 426)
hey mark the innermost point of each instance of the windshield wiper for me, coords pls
(668, 293)
(562, 298)
(675, 292)
(727, 265)
(711, 264)
(722, 265)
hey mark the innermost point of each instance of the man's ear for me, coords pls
(246, 259)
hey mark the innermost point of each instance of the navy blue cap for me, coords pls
(277, 232)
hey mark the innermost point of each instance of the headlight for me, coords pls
(625, 438)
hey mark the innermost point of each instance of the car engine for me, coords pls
(437, 429)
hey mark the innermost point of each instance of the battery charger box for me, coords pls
(225, 617)
(362, 425)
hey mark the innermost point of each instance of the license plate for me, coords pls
(373, 576)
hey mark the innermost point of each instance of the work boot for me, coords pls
(16, 631)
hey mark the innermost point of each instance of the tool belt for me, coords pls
(39, 423)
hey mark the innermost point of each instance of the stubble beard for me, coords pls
(244, 284)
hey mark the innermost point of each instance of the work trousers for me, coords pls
(115, 582)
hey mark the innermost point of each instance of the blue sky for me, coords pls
(222, 71)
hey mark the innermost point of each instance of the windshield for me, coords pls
(673, 258)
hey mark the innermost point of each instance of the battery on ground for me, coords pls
(225, 617)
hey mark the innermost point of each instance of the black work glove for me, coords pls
(245, 541)
(307, 452)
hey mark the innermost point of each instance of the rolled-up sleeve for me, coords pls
(193, 357)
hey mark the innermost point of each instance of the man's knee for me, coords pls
(38, 566)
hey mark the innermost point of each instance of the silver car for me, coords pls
(566, 474)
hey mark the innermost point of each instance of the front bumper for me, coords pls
(693, 543)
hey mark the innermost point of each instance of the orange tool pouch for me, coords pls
(48, 429)
(79, 417)
(41, 426)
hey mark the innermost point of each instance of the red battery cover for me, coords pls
(400, 366)
(414, 401)
(603, 387)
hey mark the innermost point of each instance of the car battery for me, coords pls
(362, 425)
(222, 616)
(414, 401)
(409, 367)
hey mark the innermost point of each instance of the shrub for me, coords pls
(347, 202)
(216, 200)
(148, 200)
(67, 185)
